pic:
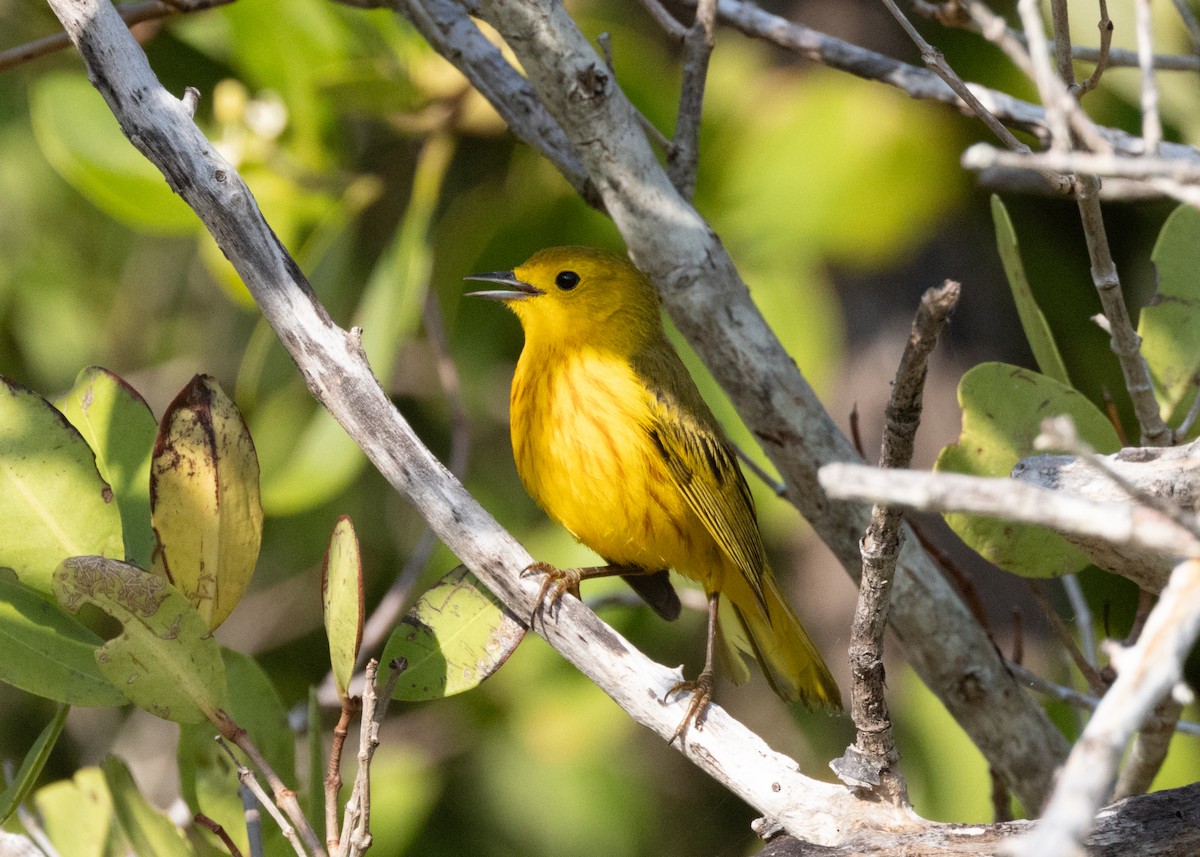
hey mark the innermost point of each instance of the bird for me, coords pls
(613, 441)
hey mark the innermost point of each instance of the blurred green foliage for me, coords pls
(388, 179)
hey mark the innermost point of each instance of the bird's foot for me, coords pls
(556, 582)
(702, 693)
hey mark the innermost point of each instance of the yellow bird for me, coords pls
(613, 441)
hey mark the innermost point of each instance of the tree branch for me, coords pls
(1120, 522)
(873, 761)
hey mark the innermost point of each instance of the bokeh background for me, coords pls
(840, 199)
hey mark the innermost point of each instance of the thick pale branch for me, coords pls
(1118, 522)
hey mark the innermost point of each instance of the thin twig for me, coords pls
(249, 781)
(218, 831)
(758, 470)
(1105, 25)
(958, 578)
(980, 17)
(356, 826)
(665, 19)
(1185, 426)
(1089, 672)
(1083, 617)
(131, 13)
(285, 798)
(1151, 122)
(1076, 699)
(935, 60)
(873, 760)
(1062, 42)
(1125, 342)
(683, 158)
(1063, 114)
(333, 771)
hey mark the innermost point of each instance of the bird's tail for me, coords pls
(793, 666)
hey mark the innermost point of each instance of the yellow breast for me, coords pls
(579, 430)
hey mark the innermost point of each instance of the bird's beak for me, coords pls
(517, 290)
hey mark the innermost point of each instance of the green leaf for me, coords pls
(45, 652)
(1170, 324)
(120, 428)
(1003, 407)
(77, 815)
(325, 460)
(53, 503)
(1033, 322)
(207, 776)
(166, 660)
(22, 783)
(204, 498)
(148, 830)
(455, 636)
(342, 596)
(83, 142)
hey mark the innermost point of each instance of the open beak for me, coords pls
(516, 291)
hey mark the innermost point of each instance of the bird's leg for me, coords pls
(559, 581)
(702, 688)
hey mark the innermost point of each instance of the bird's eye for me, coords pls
(566, 280)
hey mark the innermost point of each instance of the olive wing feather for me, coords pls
(704, 469)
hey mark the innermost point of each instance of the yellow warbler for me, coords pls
(613, 440)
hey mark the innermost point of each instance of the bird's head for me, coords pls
(578, 293)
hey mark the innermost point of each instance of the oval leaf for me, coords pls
(53, 503)
(1003, 407)
(47, 653)
(342, 596)
(455, 636)
(31, 768)
(204, 499)
(166, 661)
(1170, 325)
(148, 830)
(120, 428)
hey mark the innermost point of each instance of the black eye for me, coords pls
(566, 280)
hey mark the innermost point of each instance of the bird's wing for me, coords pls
(704, 469)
